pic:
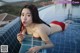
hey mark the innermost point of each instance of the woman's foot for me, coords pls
(67, 22)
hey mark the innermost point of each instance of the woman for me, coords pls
(32, 24)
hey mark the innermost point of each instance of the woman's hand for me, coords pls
(34, 49)
(20, 37)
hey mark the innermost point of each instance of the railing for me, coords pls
(8, 36)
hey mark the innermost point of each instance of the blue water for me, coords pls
(59, 12)
(67, 41)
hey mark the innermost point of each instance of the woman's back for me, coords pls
(45, 29)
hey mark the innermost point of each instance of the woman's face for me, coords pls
(26, 17)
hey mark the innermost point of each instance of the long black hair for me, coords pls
(35, 15)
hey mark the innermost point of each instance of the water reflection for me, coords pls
(72, 9)
(60, 12)
(76, 11)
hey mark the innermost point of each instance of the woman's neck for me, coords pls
(31, 26)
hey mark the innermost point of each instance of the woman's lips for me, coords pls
(24, 22)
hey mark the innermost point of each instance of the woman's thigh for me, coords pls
(55, 28)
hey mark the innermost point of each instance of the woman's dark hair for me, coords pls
(35, 15)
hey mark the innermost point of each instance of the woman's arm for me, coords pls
(41, 32)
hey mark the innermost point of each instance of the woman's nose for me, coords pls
(25, 18)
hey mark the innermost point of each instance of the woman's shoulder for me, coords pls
(42, 28)
(39, 29)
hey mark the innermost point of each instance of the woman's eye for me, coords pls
(29, 15)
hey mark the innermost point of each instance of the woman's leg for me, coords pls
(67, 22)
(55, 28)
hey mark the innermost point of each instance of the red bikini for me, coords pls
(59, 23)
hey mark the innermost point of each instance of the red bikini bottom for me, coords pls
(60, 24)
